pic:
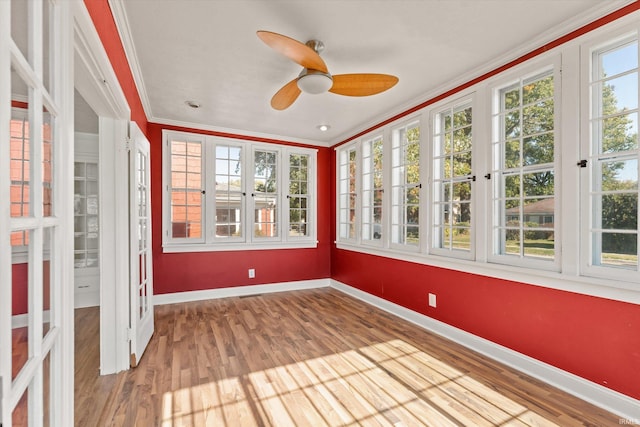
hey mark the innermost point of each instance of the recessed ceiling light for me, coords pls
(323, 128)
(192, 104)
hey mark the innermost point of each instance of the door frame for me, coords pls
(98, 84)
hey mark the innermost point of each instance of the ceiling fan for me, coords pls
(315, 77)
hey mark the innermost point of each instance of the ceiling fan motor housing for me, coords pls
(314, 81)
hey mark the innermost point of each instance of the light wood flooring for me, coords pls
(308, 358)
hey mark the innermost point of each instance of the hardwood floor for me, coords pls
(308, 358)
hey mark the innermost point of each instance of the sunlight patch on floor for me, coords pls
(390, 384)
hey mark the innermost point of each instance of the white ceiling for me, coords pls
(208, 52)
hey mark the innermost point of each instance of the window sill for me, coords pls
(616, 290)
(226, 247)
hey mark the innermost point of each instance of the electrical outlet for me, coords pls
(432, 300)
(252, 273)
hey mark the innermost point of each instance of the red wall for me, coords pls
(594, 338)
(177, 272)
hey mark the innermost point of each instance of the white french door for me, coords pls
(36, 187)
(141, 283)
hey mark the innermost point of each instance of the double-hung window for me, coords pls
(612, 153)
(347, 192)
(452, 180)
(224, 194)
(186, 192)
(372, 190)
(524, 171)
(405, 187)
(229, 206)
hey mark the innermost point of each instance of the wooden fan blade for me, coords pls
(286, 95)
(362, 84)
(294, 50)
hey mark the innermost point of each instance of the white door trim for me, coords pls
(98, 84)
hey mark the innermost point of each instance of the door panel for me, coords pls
(36, 316)
(141, 284)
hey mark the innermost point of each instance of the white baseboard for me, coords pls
(617, 403)
(87, 299)
(238, 291)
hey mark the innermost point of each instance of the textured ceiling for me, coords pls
(208, 52)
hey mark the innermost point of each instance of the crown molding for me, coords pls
(124, 30)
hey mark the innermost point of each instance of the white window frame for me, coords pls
(399, 165)
(515, 76)
(436, 133)
(208, 241)
(367, 181)
(343, 185)
(209, 205)
(309, 196)
(601, 42)
(281, 200)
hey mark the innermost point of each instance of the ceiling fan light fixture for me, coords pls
(314, 82)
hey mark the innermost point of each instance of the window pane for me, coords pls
(617, 60)
(616, 94)
(536, 90)
(619, 175)
(539, 243)
(619, 133)
(620, 211)
(538, 149)
(617, 250)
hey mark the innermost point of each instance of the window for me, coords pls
(372, 189)
(186, 189)
(241, 185)
(229, 193)
(299, 197)
(265, 194)
(524, 170)
(452, 180)
(613, 159)
(347, 170)
(405, 186)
